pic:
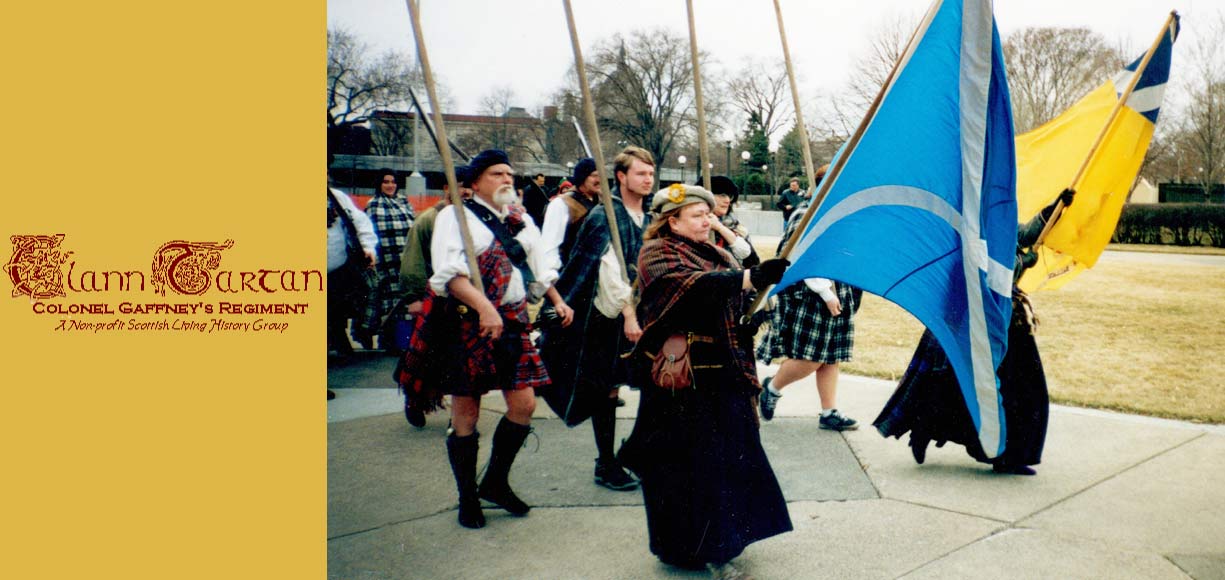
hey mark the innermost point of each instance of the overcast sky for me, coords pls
(524, 44)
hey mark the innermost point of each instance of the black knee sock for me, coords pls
(604, 426)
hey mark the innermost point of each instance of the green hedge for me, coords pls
(1178, 224)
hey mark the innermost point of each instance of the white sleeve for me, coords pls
(822, 286)
(446, 251)
(361, 222)
(612, 293)
(740, 248)
(552, 233)
(529, 237)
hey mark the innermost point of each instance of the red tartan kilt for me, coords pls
(446, 354)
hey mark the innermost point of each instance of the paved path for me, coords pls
(1117, 496)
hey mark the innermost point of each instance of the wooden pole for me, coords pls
(444, 150)
(1114, 113)
(597, 148)
(831, 176)
(703, 146)
(795, 100)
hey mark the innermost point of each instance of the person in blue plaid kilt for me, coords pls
(812, 330)
(392, 217)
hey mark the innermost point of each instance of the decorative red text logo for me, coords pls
(34, 267)
(185, 266)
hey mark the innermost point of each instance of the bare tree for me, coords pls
(1203, 121)
(359, 84)
(872, 68)
(643, 89)
(505, 126)
(1049, 69)
(391, 134)
(760, 91)
(834, 117)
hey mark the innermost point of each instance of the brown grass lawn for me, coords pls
(1139, 338)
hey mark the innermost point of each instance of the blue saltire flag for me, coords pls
(924, 210)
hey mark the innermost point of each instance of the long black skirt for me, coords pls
(929, 405)
(707, 485)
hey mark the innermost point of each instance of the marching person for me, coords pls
(415, 273)
(352, 248)
(564, 215)
(584, 358)
(392, 216)
(478, 341)
(707, 486)
(812, 330)
(928, 401)
(727, 231)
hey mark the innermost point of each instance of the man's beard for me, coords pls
(505, 196)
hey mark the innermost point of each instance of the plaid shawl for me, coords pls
(581, 271)
(433, 363)
(669, 268)
(568, 351)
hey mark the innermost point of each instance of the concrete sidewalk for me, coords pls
(1116, 496)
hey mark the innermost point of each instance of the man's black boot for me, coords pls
(462, 452)
(495, 487)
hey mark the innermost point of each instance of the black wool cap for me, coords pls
(484, 160)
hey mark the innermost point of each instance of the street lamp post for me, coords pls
(773, 172)
(744, 173)
(682, 159)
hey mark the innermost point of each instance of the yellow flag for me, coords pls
(1049, 157)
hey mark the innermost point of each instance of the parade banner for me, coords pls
(923, 211)
(1049, 158)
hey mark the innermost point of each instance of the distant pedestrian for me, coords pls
(535, 198)
(791, 198)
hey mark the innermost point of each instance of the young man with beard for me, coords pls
(584, 358)
(490, 348)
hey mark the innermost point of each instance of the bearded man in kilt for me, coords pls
(469, 342)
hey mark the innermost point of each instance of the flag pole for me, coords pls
(806, 146)
(703, 145)
(1101, 136)
(597, 148)
(444, 149)
(831, 176)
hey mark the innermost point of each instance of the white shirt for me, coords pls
(337, 246)
(822, 286)
(552, 234)
(612, 292)
(447, 249)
